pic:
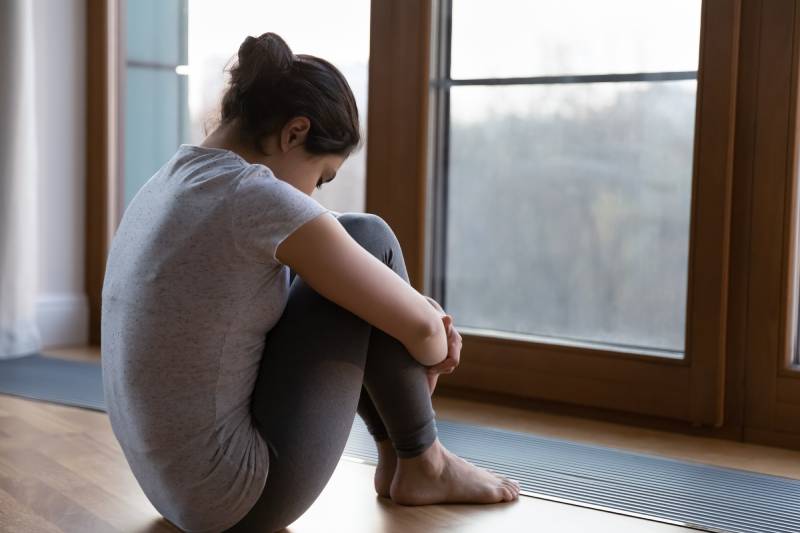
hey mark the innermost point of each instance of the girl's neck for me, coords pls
(226, 138)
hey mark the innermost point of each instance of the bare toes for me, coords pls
(513, 489)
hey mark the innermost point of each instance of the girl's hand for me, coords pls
(453, 354)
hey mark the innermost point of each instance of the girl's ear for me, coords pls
(298, 129)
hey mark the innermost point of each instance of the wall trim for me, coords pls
(63, 319)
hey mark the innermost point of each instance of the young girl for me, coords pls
(244, 324)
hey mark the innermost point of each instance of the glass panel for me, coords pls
(216, 29)
(568, 211)
(155, 95)
(165, 109)
(152, 124)
(511, 38)
(153, 34)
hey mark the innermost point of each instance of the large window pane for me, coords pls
(335, 31)
(154, 34)
(177, 52)
(569, 208)
(155, 116)
(152, 124)
(514, 38)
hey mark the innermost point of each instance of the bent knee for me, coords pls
(376, 236)
(366, 228)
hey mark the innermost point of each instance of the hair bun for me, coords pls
(264, 61)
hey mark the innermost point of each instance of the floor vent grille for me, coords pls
(694, 495)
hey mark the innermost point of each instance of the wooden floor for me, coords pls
(62, 470)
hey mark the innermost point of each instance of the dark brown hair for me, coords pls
(269, 85)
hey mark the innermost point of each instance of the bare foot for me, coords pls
(384, 472)
(439, 476)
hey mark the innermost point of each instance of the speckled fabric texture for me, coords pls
(192, 287)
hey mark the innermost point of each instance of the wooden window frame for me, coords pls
(403, 63)
(103, 161)
(742, 289)
(770, 168)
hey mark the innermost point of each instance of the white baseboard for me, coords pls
(63, 319)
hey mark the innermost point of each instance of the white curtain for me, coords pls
(18, 176)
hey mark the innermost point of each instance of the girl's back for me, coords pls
(191, 289)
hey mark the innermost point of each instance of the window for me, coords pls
(576, 197)
(766, 247)
(155, 93)
(571, 137)
(740, 231)
(177, 52)
(216, 29)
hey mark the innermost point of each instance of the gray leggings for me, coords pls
(321, 365)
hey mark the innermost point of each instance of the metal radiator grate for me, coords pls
(693, 495)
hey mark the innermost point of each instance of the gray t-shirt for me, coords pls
(192, 287)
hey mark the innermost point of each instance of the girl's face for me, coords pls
(290, 161)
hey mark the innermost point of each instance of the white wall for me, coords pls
(62, 307)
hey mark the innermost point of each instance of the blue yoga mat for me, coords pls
(76, 383)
